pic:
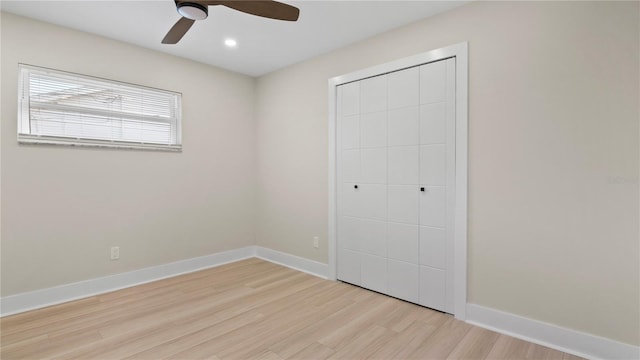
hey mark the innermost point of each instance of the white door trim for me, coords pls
(460, 52)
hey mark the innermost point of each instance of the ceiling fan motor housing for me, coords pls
(193, 11)
(198, 10)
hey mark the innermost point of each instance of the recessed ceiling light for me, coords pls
(230, 43)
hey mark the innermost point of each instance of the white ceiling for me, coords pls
(264, 45)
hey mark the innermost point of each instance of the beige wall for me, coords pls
(553, 155)
(64, 207)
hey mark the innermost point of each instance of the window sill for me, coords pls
(53, 140)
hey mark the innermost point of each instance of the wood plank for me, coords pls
(539, 352)
(190, 340)
(408, 341)
(442, 342)
(368, 341)
(476, 344)
(314, 351)
(507, 347)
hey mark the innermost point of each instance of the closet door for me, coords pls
(362, 173)
(394, 171)
(403, 184)
(437, 181)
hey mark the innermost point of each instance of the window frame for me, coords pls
(24, 115)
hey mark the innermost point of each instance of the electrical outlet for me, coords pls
(115, 252)
(316, 242)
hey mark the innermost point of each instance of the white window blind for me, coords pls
(57, 107)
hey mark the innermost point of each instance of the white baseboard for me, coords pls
(553, 336)
(59, 294)
(37, 299)
(294, 262)
(549, 335)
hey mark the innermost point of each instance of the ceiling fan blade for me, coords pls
(178, 30)
(269, 9)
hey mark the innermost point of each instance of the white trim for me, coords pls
(37, 299)
(54, 140)
(553, 336)
(59, 294)
(460, 52)
(549, 335)
(294, 262)
(461, 186)
(333, 215)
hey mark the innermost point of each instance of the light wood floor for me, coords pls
(251, 309)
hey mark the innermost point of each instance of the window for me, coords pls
(57, 107)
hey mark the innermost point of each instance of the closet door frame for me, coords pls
(460, 53)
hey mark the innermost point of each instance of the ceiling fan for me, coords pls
(199, 10)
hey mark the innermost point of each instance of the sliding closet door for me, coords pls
(395, 175)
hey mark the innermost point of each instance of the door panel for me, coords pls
(403, 165)
(404, 88)
(433, 123)
(433, 165)
(350, 99)
(373, 164)
(404, 204)
(351, 231)
(373, 94)
(374, 272)
(373, 130)
(432, 247)
(351, 132)
(351, 166)
(433, 82)
(373, 237)
(404, 126)
(403, 242)
(404, 280)
(372, 201)
(349, 266)
(432, 206)
(432, 287)
(351, 200)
